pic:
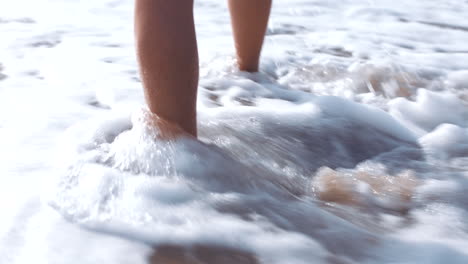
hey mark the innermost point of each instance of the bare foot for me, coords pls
(161, 128)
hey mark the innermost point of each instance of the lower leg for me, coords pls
(168, 59)
(249, 24)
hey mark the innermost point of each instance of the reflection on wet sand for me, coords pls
(200, 254)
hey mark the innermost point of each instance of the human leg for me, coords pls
(249, 24)
(168, 58)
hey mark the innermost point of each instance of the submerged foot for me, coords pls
(161, 128)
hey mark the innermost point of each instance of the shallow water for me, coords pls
(350, 145)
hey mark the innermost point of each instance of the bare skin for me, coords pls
(168, 59)
(168, 56)
(249, 24)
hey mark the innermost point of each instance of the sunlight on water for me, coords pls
(350, 145)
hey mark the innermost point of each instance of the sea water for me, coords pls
(349, 146)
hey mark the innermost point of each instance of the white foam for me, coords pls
(349, 146)
(430, 110)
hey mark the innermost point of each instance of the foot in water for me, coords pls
(162, 129)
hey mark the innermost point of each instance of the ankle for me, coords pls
(248, 66)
